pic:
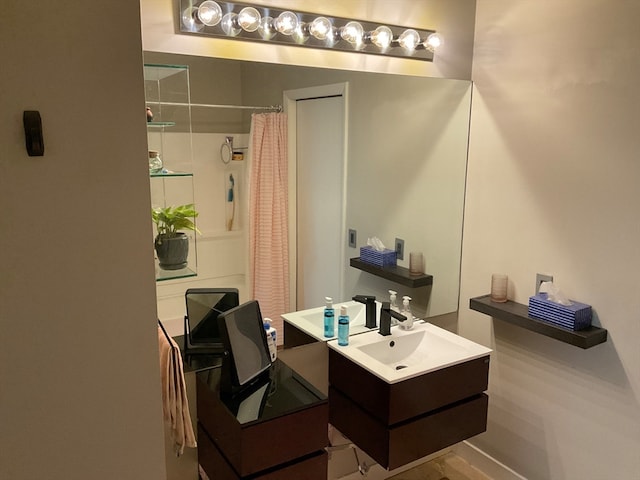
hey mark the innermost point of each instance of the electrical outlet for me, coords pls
(353, 235)
(399, 249)
(540, 277)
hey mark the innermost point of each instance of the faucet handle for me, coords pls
(364, 298)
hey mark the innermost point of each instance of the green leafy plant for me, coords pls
(170, 220)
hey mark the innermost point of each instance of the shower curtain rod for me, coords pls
(277, 108)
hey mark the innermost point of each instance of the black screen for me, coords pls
(244, 337)
(204, 305)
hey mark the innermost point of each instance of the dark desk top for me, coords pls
(196, 362)
(284, 391)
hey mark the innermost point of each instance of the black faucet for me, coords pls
(385, 318)
(370, 302)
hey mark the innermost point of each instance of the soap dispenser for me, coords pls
(329, 318)
(272, 338)
(406, 311)
(392, 301)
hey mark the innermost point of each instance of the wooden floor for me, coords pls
(446, 467)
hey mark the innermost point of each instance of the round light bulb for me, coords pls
(352, 32)
(433, 41)
(409, 39)
(382, 37)
(190, 19)
(320, 28)
(210, 13)
(229, 24)
(265, 29)
(249, 19)
(286, 23)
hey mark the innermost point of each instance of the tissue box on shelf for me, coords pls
(576, 316)
(386, 258)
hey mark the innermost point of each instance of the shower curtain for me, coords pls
(268, 216)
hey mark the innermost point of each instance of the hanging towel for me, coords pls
(175, 405)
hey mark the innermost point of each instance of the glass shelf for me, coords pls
(171, 174)
(167, 94)
(160, 72)
(161, 124)
(162, 275)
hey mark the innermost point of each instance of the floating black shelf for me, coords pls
(396, 274)
(518, 314)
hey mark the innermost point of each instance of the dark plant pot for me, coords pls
(172, 251)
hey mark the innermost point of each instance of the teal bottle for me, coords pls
(329, 318)
(343, 327)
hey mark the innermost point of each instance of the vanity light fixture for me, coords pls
(259, 23)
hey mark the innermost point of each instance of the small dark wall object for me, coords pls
(33, 133)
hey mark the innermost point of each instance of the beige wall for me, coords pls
(79, 371)
(553, 188)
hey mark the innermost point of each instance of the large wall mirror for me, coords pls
(405, 168)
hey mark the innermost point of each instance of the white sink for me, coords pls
(311, 321)
(409, 353)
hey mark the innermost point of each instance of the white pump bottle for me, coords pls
(392, 301)
(406, 311)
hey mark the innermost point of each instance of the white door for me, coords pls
(320, 178)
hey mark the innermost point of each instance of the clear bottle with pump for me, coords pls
(329, 318)
(392, 301)
(406, 311)
(343, 327)
(272, 338)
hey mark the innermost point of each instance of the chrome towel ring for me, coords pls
(226, 150)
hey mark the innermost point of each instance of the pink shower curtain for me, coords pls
(268, 216)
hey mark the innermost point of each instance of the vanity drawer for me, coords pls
(310, 467)
(394, 446)
(398, 402)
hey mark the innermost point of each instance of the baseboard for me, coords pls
(485, 462)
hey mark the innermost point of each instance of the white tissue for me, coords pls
(554, 294)
(376, 244)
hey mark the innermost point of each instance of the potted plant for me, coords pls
(171, 244)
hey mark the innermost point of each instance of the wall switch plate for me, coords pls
(353, 235)
(399, 248)
(540, 277)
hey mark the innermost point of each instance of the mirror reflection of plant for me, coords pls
(170, 220)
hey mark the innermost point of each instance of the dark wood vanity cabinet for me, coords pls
(402, 422)
(274, 430)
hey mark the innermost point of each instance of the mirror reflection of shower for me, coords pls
(405, 170)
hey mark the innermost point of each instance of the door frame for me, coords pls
(290, 98)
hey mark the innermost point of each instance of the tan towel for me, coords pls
(175, 405)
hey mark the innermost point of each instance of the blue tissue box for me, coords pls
(576, 316)
(386, 258)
